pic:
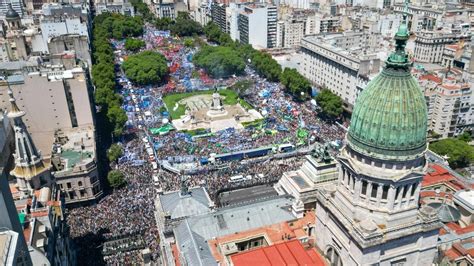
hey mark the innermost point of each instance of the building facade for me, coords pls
(449, 99)
(429, 45)
(75, 165)
(329, 62)
(257, 25)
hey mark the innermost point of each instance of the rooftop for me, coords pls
(193, 233)
(197, 202)
(286, 253)
(274, 234)
(75, 149)
(465, 198)
(438, 174)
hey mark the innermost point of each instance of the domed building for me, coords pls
(371, 216)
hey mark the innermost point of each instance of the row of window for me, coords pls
(349, 181)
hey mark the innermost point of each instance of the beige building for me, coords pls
(340, 62)
(58, 99)
(75, 166)
(450, 101)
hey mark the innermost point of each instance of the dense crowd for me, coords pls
(129, 211)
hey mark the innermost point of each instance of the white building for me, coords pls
(450, 103)
(340, 62)
(257, 24)
(124, 8)
(429, 45)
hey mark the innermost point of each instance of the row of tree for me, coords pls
(108, 26)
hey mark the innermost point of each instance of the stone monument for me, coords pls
(217, 109)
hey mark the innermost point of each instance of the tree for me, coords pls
(117, 117)
(116, 179)
(185, 26)
(465, 136)
(219, 61)
(242, 86)
(189, 42)
(212, 32)
(460, 153)
(330, 103)
(146, 68)
(164, 23)
(114, 152)
(133, 44)
(295, 83)
(143, 10)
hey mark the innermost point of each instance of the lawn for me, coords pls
(170, 100)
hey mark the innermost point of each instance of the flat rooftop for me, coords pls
(75, 147)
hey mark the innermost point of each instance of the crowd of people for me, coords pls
(127, 211)
(130, 211)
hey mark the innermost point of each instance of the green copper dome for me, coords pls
(389, 120)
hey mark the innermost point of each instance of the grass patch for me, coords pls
(170, 100)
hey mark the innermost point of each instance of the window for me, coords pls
(405, 190)
(375, 187)
(364, 187)
(79, 183)
(385, 192)
(413, 189)
(400, 262)
(68, 185)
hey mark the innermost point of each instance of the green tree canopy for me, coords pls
(114, 152)
(460, 153)
(219, 61)
(118, 26)
(146, 68)
(185, 26)
(330, 103)
(465, 136)
(133, 44)
(295, 83)
(143, 10)
(164, 23)
(189, 42)
(116, 179)
(103, 72)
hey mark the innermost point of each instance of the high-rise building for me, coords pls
(257, 25)
(341, 62)
(429, 45)
(372, 217)
(450, 103)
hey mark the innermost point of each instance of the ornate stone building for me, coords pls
(31, 171)
(371, 216)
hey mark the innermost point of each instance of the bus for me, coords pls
(288, 147)
(236, 179)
